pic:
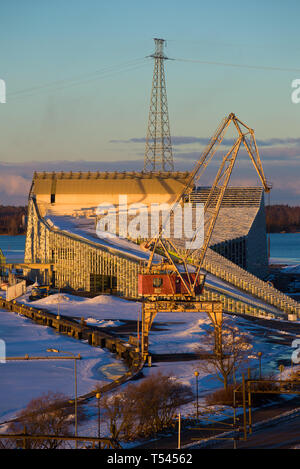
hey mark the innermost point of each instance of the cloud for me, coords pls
(284, 155)
(188, 140)
(280, 168)
(273, 151)
(292, 186)
(15, 178)
(14, 184)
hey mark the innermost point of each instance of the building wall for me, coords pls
(256, 245)
(240, 231)
(249, 251)
(78, 264)
(69, 193)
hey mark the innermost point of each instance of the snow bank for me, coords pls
(103, 323)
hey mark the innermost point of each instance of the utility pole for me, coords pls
(179, 431)
(98, 397)
(244, 406)
(196, 373)
(158, 151)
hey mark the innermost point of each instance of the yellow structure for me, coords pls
(69, 193)
(2, 257)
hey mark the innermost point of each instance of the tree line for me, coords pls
(281, 218)
(12, 220)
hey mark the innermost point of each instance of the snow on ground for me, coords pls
(93, 309)
(179, 332)
(176, 333)
(23, 380)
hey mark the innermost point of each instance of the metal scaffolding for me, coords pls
(78, 264)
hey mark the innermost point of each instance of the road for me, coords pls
(280, 435)
(283, 435)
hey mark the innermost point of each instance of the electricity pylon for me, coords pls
(158, 151)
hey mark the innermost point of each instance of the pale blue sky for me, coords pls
(52, 42)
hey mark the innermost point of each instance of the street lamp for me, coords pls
(259, 354)
(58, 301)
(98, 397)
(281, 369)
(76, 357)
(196, 373)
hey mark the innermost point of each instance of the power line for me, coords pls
(127, 66)
(253, 67)
(84, 78)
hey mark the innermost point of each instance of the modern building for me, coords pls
(62, 216)
(62, 212)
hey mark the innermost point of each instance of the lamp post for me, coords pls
(259, 354)
(179, 431)
(281, 369)
(138, 332)
(58, 301)
(196, 373)
(98, 397)
(76, 357)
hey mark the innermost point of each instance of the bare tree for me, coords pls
(145, 408)
(48, 414)
(120, 415)
(232, 353)
(157, 400)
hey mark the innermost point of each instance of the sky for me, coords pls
(78, 85)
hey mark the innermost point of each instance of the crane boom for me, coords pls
(190, 281)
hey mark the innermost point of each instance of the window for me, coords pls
(157, 282)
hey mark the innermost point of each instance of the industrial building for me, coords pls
(61, 228)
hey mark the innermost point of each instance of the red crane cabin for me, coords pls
(167, 284)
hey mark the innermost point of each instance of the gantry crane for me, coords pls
(172, 285)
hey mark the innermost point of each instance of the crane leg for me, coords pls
(216, 318)
(149, 312)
